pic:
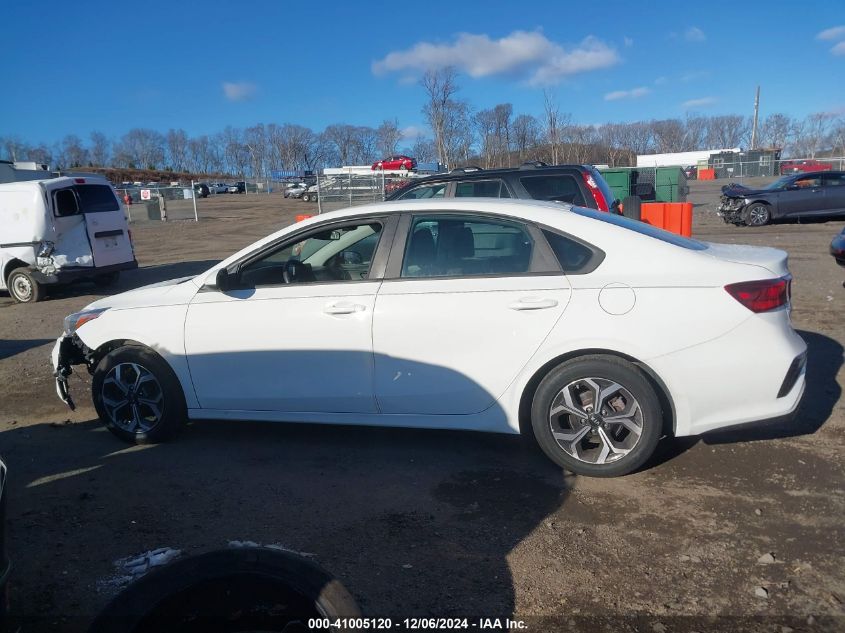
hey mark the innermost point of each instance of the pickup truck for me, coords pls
(798, 166)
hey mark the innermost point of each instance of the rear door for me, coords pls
(834, 192)
(106, 224)
(468, 300)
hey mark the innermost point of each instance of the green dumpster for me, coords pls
(619, 181)
(670, 185)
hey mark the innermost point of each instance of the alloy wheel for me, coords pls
(596, 420)
(132, 397)
(758, 215)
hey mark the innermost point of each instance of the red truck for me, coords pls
(796, 166)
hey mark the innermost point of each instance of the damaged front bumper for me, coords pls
(68, 351)
(731, 210)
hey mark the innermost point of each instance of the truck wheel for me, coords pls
(23, 287)
(306, 197)
(632, 207)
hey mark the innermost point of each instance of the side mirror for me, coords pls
(223, 280)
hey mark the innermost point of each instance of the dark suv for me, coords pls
(581, 185)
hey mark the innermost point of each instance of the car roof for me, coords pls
(528, 168)
(818, 173)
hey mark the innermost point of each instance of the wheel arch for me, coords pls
(11, 265)
(664, 396)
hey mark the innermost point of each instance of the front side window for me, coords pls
(342, 253)
(434, 190)
(559, 188)
(806, 183)
(465, 247)
(481, 189)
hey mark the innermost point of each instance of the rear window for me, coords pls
(643, 229)
(557, 188)
(96, 198)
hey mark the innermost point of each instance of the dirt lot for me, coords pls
(436, 523)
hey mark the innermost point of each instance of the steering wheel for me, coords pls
(295, 271)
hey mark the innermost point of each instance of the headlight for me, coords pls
(76, 320)
(45, 249)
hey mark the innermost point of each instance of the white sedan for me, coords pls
(595, 333)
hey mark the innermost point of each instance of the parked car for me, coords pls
(219, 187)
(59, 230)
(581, 185)
(295, 190)
(837, 248)
(201, 190)
(396, 162)
(238, 187)
(803, 166)
(818, 194)
(691, 172)
(594, 333)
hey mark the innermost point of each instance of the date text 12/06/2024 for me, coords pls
(416, 624)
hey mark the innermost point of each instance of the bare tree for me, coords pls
(99, 149)
(177, 149)
(485, 126)
(40, 154)
(12, 148)
(526, 135)
(440, 86)
(775, 130)
(342, 138)
(75, 155)
(389, 135)
(727, 131)
(556, 124)
(141, 148)
(812, 134)
(424, 150)
(668, 135)
(695, 136)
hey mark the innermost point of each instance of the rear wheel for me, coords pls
(137, 395)
(758, 214)
(597, 416)
(23, 287)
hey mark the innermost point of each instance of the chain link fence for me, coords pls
(338, 191)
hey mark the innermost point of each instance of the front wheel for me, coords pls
(758, 214)
(597, 416)
(137, 396)
(23, 286)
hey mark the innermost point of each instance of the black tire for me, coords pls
(306, 197)
(229, 590)
(632, 207)
(107, 279)
(608, 368)
(23, 287)
(172, 409)
(757, 214)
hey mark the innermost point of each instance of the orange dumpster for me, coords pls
(671, 216)
(303, 216)
(707, 174)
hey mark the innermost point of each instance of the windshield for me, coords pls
(780, 183)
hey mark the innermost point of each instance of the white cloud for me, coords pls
(633, 93)
(703, 102)
(839, 49)
(694, 34)
(522, 53)
(239, 90)
(411, 132)
(833, 33)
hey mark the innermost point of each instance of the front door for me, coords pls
(469, 307)
(296, 332)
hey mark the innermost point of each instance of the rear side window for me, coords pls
(434, 190)
(642, 228)
(466, 246)
(572, 256)
(96, 198)
(481, 189)
(557, 188)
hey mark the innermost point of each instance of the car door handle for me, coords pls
(533, 303)
(343, 308)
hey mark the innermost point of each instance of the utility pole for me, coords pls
(754, 125)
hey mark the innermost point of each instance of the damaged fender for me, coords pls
(68, 351)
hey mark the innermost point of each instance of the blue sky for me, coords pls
(97, 65)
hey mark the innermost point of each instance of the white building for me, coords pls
(679, 159)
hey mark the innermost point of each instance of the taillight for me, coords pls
(598, 196)
(79, 181)
(763, 295)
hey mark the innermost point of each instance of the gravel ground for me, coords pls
(436, 523)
